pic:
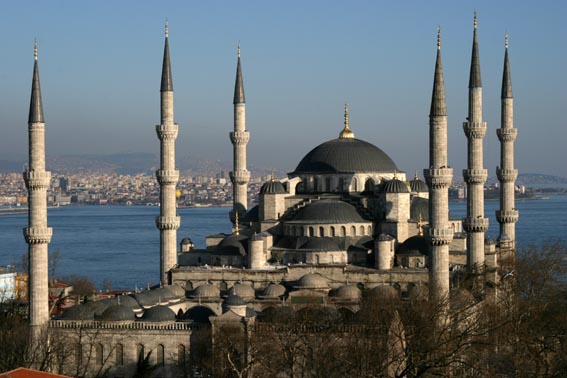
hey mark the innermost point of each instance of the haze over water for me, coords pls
(121, 243)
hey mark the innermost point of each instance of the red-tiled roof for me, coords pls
(29, 373)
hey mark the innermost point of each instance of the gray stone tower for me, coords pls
(37, 234)
(167, 176)
(240, 176)
(507, 216)
(475, 224)
(438, 177)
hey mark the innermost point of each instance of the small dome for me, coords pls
(272, 187)
(418, 186)
(244, 291)
(394, 186)
(206, 291)
(414, 244)
(329, 211)
(321, 244)
(147, 298)
(348, 292)
(79, 312)
(273, 291)
(159, 314)
(234, 300)
(177, 290)
(186, 241)
(384, 292)
(385, 237)
(312, 281)
(118, 313)
(419, 206)
(234, 244)
(489, 241)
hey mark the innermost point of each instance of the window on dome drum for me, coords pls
(343, 231)
(361, 230)
(311, 231)
(332, 230)
(328, 184)
(353, 231)
(368, 185)
(315, 184)
(321, 231)
(341, 184)
(160, 355)
(354, 184)
(119, 354)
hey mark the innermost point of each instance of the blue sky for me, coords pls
(100, 68)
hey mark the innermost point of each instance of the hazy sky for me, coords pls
(100, 65)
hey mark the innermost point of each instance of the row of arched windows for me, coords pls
(101, 359)
(322, 231)
(332, 184)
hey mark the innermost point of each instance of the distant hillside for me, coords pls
(535, 179)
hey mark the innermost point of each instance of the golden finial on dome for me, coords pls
(395, 174)
(346, 133)
(236, 229)
(416, 177)
(420, 225)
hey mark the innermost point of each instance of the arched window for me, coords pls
(369, 185)
(160, 355)
(341, 184)
(140, 352)
(353, 231)
(315, 184)
(369, 230)
(343, 231)
(181, 355)
(119, 354)
(354, 184)
(223, 286)
(299, 188)
(188, 285)
(311, 231)
(332, 231)
(361, 230)
(300, 231)
(99, 358)
(321, 231)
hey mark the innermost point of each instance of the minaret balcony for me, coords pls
(36, 126)
(438, 178)
(507, 134)
(440, 236)
(38, 235)
(475, 130)
(168, 223)
(239, 137)
(507, 175)
(167, 132)
(475, 224)
(475, 176)
(167, 177)
(37, 180)
(240, 177)
(507, 216)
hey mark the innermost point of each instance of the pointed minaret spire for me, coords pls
(438, 102)
(166, 80)
(346, 132)
(36, 106)
(239, 84)
(506, 80)
(474, 80)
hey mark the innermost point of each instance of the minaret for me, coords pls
(438, 177)
(239, 138)
(475, 224)
(507, 216)
(167, 176)
(37, 234)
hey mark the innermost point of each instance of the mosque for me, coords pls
(344, 222)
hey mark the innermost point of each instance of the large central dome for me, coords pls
(345, 155)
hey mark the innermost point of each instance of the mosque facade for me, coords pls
(346, 221)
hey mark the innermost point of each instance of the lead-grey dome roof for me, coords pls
(242, 290)
(118, 313)
(234, 300)
(348, 292)
(273, 291)
(206, 291)
(159, 314)
(345, 156)
(418, 186)
(329, 211)
(322, 244)
(312, 281)
(394, 186)
(272, 187)
(416, 243)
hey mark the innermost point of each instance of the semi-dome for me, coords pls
(206, 291)
(159, 314)
(242, 290)
(118, 313)
(419, 207)
(329, 211)
(345, 155)
(312, 281)
(272, 187)
(394, 186)
(234, 244)
(273, 291)
(321, 244)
